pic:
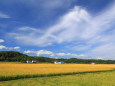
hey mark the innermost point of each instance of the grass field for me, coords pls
(11, 71)
(90, 79)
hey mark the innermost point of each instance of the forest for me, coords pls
(14, 56)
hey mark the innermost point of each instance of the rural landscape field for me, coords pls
(57, 42)
(90, 79)
(20, 74)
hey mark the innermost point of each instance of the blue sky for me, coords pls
(59, 28)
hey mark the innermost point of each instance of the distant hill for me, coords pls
(11, 54)
(14, 56)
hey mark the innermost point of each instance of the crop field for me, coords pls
(18, 70)
(12, 69)
(90, 79)
(18, 74)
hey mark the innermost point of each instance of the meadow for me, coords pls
(11, 71)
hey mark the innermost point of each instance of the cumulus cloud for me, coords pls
(16, 48)
(9, 48)
(2, 47)
(28, 51)
(1, 40)
(40, 52)
(70, 54)
(2, 15)
(61, 54)
(46, 52)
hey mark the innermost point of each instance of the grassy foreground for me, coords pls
(90, 79)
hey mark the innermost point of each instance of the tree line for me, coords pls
(14, 56)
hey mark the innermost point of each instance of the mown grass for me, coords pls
(89, 79)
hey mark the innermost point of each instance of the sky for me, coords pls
(83, 29)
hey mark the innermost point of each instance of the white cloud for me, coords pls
(2, 15)
(78, 25)
(68, 24)
(99, 58)
(104, 50)
(40, 52)
(49, 5)
(1, 40)
(28, 51)
(16, 48)
(46, 52)
(70, 54)
(9, 48)
(2, 47)
(26, 28)
(61, 54)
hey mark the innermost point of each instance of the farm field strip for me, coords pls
(89, 79)
(12, 70)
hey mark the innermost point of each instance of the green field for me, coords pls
(90, 79)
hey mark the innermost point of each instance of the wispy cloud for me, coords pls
(68, 24)
(78, 25)
(106, 51)
(2, 15)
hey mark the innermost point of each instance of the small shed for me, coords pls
(56, 62)
(34, 61)
(28, 61)
(62, 62)
(92, 63)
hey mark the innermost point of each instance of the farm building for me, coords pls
(28, 61)
(34, 61)
(56, 62)
(92, 63)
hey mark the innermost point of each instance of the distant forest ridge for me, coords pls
(14, 56)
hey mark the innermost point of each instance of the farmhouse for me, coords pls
(92, 63)
(28, 61)
(56, 62)
(33, 61)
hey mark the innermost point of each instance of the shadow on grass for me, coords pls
(7, 78)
